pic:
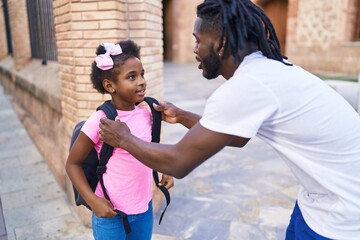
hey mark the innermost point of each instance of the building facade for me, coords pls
(47, 47)
(322, 36)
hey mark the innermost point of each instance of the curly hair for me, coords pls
(129, 50)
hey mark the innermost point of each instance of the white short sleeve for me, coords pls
(239, 107)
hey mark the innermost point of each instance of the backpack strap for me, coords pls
(105, 153)
(106, 150)
(156, 129)
(156, 125)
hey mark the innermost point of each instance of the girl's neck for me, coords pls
(124, 106)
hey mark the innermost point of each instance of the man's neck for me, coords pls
(229, 63)
(229, 67)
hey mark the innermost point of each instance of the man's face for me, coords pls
(205, 47)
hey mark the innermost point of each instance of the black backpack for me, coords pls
(94, 167)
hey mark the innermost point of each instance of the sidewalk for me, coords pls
(34, 206)
(239, 194)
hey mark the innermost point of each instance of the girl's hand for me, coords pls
(102, 208)
(167, 181)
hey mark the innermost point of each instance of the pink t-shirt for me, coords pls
(127, 181)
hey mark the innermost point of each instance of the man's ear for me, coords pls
(108, 86)
(221, 50)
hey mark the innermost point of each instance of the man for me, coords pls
(313, 128)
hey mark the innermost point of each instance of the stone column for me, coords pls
(179, 28)
(20, 36)
(145, 28)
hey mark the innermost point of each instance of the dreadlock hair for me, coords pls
(239, 21)
(129, 50)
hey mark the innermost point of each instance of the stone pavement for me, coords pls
(34, 205)
(238, 194)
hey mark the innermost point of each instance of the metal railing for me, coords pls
(7, 26)
(42, 31)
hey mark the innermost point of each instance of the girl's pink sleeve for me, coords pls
(91, 126)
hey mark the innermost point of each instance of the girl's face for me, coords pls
(130, 86)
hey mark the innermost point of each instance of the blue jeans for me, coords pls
(299, 230)
(113, 228)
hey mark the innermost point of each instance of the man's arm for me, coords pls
(172, 114)
(177, 160)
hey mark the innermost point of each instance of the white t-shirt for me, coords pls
(311, 126)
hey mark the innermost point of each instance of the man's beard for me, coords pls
(211, 65)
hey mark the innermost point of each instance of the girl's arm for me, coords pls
(79, 151)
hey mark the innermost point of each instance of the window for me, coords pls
(357, 22)
(7, 26)
(42, 31)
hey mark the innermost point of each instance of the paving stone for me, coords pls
(19, 171)
(3, 234)
(27, 152)
(25, 182)
(240, 230)
(63, 227)
(163, 237)
(194, 228)
(29, 196)
(30, 214)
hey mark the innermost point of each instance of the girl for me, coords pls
(117, 70)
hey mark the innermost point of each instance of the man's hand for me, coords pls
(113, 132)
(172, 114)
(169, 112)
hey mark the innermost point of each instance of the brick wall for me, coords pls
(318, 36)
(82, 25)
(20, 36)
(145, 28)
(179, 28)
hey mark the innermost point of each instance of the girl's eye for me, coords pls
(132, 77)
(143, 75)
